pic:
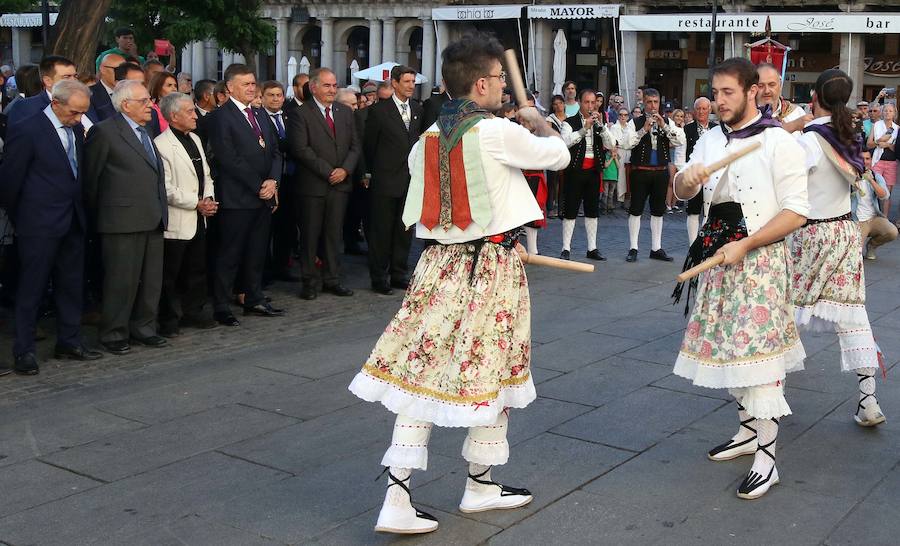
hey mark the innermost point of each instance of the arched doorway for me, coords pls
(357, 49)
(415, 49)
(311, 47)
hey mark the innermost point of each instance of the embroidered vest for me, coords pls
(579, 150)
(640, 154)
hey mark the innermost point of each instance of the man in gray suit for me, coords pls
(126, 195)
(324, 143)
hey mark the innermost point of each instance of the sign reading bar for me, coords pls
(477, 13)
(869, 23)
(574, 11)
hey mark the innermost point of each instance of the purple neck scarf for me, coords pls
(852, 153)
(764, 122)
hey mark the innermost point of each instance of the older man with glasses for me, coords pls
(125, 194)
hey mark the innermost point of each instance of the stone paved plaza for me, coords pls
(249, 436)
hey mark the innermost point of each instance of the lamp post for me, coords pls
(712, 49)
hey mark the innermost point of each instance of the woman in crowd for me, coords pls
(884, 160)
(556, 118)
(161, 84)
(678, 161)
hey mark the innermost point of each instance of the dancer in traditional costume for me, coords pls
(829, 289)
(741, 334)
(458, 351)
(651, 139)
(791, 116)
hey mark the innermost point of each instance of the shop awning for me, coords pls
(868, 23)
(574, 11)
(25, 20)
(477, 13)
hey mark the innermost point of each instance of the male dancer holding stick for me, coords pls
(457, 353)
(741, 335)
(829, 287)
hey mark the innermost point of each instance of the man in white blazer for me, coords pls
(191, 198)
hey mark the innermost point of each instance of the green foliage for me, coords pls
(19, 6)
(234, 24)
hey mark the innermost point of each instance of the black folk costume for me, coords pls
(651, 153)
(584, 172)
(741, 334)
(458, 352)
(829, 288)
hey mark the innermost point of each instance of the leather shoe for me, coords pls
(338, 290)
(382, 288)
(595, 255)
(565, 255)
(169, 331)
(201, 323)
(225, 318)
(660, 255)
(151, 341)
(401, 284)
(120, 347)
(26, 364)
(632, 256)
(263, 310)
(76, 352)
(308, 293)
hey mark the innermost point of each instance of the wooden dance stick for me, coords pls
(534, 259)
(697, 269)
(514, 77)
(732, 157)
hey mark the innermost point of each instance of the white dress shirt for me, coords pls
(399, 104)
(633, 135)
(572, 137)
(506, 148)
(764, 182)
(241, 106)
(60, 129)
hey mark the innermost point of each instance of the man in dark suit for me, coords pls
(125, 191)
(692, 132)
(101, 92)
(53, 69)
(432, 107)
(294, 103)
(42, 192)
(392, 127)
(244, 148)
(325, 145)
(284, 225)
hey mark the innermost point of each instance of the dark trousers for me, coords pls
(648, 184)
(42, 259)
(389, 240)
(552, 188)
(284, 232)
(581, 185)
(243, 237)
(132, 281)
(358, 207)
(184, 289)
(321, 216)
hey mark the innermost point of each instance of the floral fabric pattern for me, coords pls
(459, 341)
(741, 332)
(828, 265)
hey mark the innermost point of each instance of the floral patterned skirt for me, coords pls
(459, 349)
(741, 332)
(828, 285)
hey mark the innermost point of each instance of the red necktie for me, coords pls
(329, 120)
(252, 119)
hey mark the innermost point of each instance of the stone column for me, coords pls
(281, 48)
(389, 47)
(327, 47)
(294, 49)
(198, 61)
(543, 59)
(339, 64)
(853, 63)
(186, 59)
(428, 57)
(442, 39)
(211, 52)
(375, 40)
(21, 46)
(227, 60)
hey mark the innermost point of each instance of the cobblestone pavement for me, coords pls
(249, 435)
